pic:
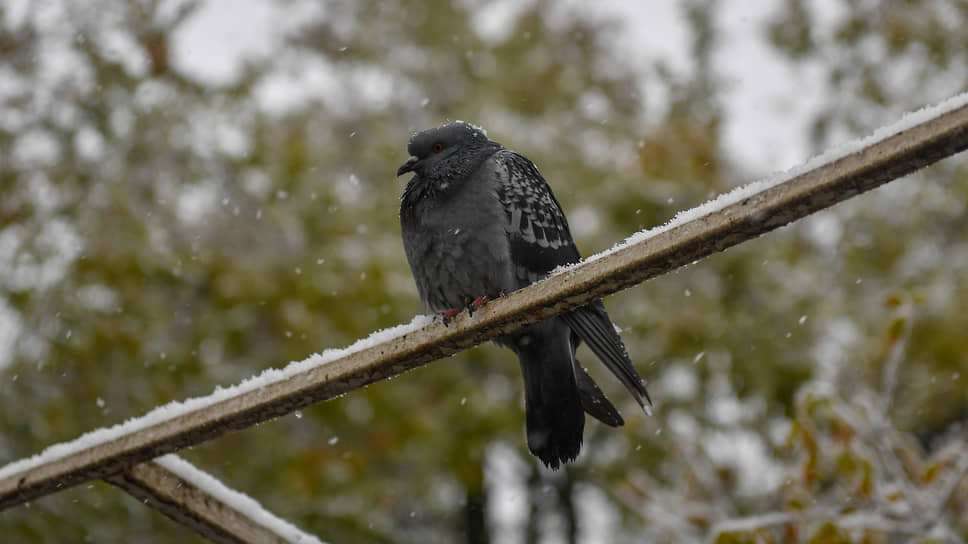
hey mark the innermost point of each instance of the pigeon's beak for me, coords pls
(408, 166)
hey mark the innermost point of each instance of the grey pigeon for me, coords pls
(479, 221)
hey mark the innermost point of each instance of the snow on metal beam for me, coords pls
(198, 501)
(916, 141)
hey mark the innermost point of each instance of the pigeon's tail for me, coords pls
(594, 401)
(592, 324)
(555, 417)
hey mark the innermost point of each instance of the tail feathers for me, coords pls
(594, 401)
(592, 324)
(554, 405)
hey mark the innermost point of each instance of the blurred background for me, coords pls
(194, 191)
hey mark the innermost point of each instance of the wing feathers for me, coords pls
(540, 242)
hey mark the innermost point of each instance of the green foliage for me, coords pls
(185, 235)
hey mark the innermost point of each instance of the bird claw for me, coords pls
(448, 315)
(470, 305)
(477, 303)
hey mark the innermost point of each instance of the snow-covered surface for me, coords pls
(174, 409)
(748, 190)
(238, 501)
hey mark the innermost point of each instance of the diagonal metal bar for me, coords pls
(198, 501)
(898, 150)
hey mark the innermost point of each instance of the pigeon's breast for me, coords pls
(458, 248)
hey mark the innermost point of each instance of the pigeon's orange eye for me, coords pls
(438, 147)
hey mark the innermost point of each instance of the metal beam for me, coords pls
(200, 502)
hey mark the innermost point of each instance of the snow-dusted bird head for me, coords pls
(446, 153)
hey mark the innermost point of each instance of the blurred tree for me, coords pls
(163, 232)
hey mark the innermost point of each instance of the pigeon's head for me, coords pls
(447, 152)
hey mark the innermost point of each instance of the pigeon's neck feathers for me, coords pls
(439, 181)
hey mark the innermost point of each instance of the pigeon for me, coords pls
(479, 221)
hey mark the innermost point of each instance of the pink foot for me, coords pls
(449, 314)
(477, 303)
(480, 301)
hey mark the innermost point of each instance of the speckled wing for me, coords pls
(540, 242)
(537, 228)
